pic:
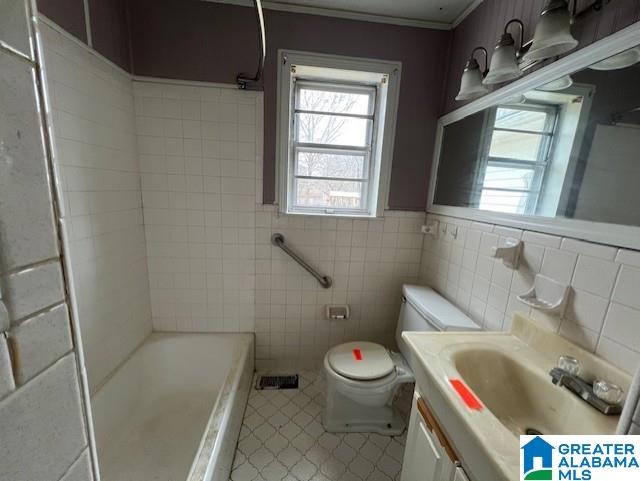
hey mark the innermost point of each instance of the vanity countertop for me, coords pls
(509, 374)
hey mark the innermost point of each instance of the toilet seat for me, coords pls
(361, 361)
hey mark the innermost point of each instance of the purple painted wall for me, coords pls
(486, 23)
(109, 25)
(69, 14)
(214, 42)
(110, 30)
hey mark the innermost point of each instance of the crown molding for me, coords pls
(467, 11)
(347, 14)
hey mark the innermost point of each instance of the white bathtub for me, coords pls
(173, 411)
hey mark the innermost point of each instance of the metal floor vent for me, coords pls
(277, 382)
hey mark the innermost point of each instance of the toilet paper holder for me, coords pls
(337, 313)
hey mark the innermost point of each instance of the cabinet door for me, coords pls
(425, 459)
(460, 475)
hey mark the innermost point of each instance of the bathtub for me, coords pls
(173, 410)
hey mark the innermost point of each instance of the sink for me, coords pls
(523, 399)
(509, 373)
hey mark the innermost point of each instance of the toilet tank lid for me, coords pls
(437, 310)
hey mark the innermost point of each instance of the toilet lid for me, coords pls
(361, 360)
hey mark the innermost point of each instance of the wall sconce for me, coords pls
(553, 32)
(619, 61)
(557, 85)
(504, 61)
(471, 86)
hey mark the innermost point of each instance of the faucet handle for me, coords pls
(608, 392)
(569, 364)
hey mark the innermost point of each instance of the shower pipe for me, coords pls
(252, 83)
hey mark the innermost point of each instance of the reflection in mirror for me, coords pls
(566, 149)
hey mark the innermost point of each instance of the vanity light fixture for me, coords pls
(553, 32)
(504, 61)
(619, 61)
(562, 83)
(471, 86)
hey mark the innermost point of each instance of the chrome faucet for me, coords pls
(582, 389)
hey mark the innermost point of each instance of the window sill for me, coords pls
(339, 216)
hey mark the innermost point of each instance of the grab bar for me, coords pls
(244, 81)
(278, 240)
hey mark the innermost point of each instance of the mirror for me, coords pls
(569, 149)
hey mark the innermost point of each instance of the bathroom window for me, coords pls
(337, 121)
(517, 152)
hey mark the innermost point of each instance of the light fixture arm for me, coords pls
(572, 5)
(486, 59)
(520, 43)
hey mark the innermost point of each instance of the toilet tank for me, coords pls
(423, 309)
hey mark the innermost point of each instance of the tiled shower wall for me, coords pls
(603, 313)
(199, 157)
(43, 431)
(98, 172)
(211, 264)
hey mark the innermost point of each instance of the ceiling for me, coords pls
(420, 13)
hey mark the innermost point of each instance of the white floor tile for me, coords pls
(282, 439)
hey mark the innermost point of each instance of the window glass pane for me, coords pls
(322, 164)
(337, 102)
(501, 201)
(508, 178)
(332, 130)
(532, 120)
(515, 145)
(329, 193)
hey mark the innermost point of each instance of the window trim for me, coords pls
(382, 144)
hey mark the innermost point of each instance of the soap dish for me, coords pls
(547, 295)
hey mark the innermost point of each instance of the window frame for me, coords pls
(539, 166)
(350, 74)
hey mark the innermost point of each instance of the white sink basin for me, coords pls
(509, 374)
(523, 398)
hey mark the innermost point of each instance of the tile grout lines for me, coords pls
(282, 439)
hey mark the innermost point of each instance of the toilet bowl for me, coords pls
(362, 378)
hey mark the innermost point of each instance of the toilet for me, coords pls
(363, 377)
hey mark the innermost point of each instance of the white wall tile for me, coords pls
(26, 216)
(7, 382)
(558, 265)
(586, 309)
(629, 257)
(39, 341)
(589, 248)
(4, 316)
(33, 289)
(627, 285)
(619, 355)
(80, 470)
(94, 128)
(487, 290)
(41, 421)
(622, 325)
(14, 29)
(541, 239)
(595, 275)
(44, 422)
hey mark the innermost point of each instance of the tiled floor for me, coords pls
(282, 439)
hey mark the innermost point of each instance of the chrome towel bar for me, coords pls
(278, 240)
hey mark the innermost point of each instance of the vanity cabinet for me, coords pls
(428, 455)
